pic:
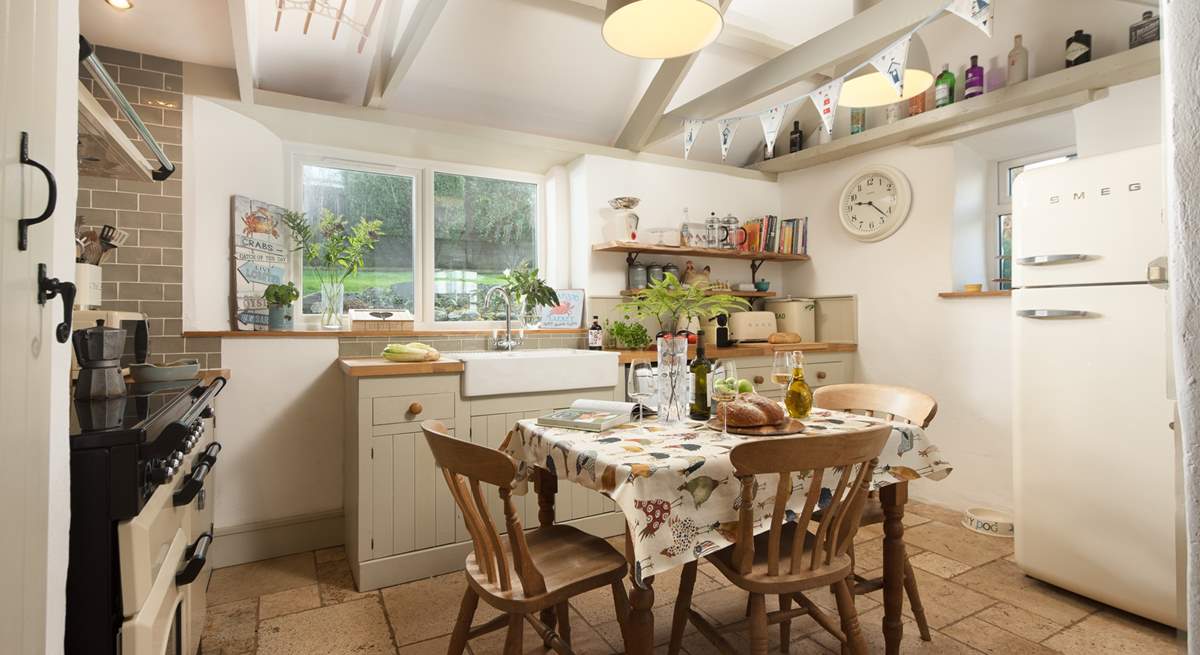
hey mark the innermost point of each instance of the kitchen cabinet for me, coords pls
(819, 370)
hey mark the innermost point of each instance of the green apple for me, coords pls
(744, 386)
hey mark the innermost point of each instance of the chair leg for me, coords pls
(758, 624)
(516, 629)
(549, 618)
(462, 626)
(785, 626)
(849, 615)
(914, 601)
(683, 603)
(563, 610)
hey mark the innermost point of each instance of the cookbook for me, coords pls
(589, 415)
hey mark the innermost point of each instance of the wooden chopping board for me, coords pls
(788, 426)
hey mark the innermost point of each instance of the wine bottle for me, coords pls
(974, 84)
(701, 408)
(943, 88)
(1079, 48)
(595, 335)
(1018, 63)
(796, 142)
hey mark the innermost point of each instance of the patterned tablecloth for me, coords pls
(675, 484)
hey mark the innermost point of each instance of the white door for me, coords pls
(38, 66)
(1094, 454)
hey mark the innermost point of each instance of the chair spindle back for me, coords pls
(879, 400)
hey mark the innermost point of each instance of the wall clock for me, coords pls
(875, 203)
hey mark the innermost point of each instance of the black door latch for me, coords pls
(48, 289)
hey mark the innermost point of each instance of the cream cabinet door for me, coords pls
(411, 507)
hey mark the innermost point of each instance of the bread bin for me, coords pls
(795, 315)
(751, 326)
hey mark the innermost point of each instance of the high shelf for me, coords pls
(632, 249)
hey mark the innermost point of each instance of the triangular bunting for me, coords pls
(691, 130)
(891, 63)
(976, 12)
(727, 127)
(826, 100)
(771, 119)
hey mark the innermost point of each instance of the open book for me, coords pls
(589, 415)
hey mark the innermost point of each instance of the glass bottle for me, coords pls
(943, 88)
(858, 119)
(1144, 31)
(799, 397)
(796, 140)
(974, 83)
(1079, 48)
(916, 104)
(595, 335)
(700, 409)
(1018, 63)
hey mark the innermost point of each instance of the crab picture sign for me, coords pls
(260, 258)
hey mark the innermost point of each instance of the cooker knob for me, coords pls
(160, 474)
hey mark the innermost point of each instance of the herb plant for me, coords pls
(281, 295)
(629, 334)
(527, 289)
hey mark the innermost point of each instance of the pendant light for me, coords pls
(869, 88)
(661, 29)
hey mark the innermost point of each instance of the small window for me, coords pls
(386, 279)
(482, 226)
(1000, 238)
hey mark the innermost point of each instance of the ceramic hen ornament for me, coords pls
(692, 276)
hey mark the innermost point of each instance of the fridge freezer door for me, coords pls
(1094, 453)
(1089, 221)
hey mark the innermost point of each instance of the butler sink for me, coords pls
(498, 372)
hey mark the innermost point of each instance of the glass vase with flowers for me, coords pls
(334, 252)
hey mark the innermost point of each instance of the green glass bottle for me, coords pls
(700, 409)
(943, 88)
(799, 396)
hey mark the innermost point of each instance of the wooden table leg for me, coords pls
(892, 498)
(639, 625)
(546, 486)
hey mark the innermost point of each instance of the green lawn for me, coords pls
(385, 279)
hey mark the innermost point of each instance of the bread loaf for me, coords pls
(784, 337)
(750, 410)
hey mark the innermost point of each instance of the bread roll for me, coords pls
(784, 337)
(751, 410)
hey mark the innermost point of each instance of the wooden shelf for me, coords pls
(713, 292)
(975, 294)
(1041, 96)
(634, 248)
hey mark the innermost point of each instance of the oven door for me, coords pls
(158, 627)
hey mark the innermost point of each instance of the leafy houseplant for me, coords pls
(529, 292)
(629, 334)
(279, 299)
(336, 251)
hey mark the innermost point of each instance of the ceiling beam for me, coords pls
(650, 108)
(420, 24)
(385, 48)
(243, 55)
(853, 40)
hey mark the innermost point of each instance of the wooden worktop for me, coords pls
(380, 334)
(744, 350)
(361, 367)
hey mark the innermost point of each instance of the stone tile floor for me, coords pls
(976, 600)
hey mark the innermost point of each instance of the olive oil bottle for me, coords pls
(700, 409)
(799, 397)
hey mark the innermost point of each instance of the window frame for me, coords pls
(422, 171)
(1000, 202)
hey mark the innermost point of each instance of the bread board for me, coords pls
(788, 426)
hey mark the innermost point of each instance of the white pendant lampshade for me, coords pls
(661, 29)
(869, 88)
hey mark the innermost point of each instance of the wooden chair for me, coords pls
(550, 565)
(788, 560)
(894, 404)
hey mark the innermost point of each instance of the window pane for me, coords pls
(386, 279)
(481, 227)
(1015, 171)
(1004, 238)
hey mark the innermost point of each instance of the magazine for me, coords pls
(589, 415)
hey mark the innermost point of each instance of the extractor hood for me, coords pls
(104, 149)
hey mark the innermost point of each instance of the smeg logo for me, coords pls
(1102, 192)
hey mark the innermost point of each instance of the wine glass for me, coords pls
(641, 386)
(783, 368)
(724, 389)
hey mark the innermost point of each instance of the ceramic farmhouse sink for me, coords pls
(494, 373)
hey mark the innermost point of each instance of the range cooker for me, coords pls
(141, 519)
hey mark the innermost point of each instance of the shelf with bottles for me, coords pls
(1040, 96)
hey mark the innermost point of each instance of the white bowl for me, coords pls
(992, 522)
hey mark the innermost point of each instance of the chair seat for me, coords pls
(571, 562)
(758, 581)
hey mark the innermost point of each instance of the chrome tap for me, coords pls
(508, 342)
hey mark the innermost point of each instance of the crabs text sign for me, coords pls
(260, 258)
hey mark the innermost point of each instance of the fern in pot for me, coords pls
(280, 299)
(334, 252)
(529, 292)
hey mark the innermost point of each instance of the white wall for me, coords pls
(225, 154)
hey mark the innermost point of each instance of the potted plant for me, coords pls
(629, 334)
(336, 251)
(529, 292)
(279, 299)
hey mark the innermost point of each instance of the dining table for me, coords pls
(675, 486)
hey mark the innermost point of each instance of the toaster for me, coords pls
(751, 326)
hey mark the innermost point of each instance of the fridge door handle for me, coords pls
(1043, 260)
(1050, 314)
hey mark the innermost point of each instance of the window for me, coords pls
(1000, 239)
(482, 226)
(386, 279)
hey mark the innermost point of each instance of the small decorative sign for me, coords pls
(568, 313)
(260, 258)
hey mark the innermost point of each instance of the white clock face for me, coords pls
(874, 204)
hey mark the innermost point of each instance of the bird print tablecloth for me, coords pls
(675, 484)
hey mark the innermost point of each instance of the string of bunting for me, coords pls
(890, 62)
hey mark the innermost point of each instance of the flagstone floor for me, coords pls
(976, 600)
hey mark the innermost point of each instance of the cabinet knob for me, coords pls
(415, 409)
(758, 379)
(821, 375)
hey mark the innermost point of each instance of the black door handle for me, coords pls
(197, 555)
(51, 197)
(48, 288)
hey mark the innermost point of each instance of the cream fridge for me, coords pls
(1096, 464)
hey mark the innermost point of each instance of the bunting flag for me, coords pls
(691, 130)
(727, 127)
(826, 100)
(891, 63)
(975, 12)
(771, 119)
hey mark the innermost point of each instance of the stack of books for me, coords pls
(769, 234)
